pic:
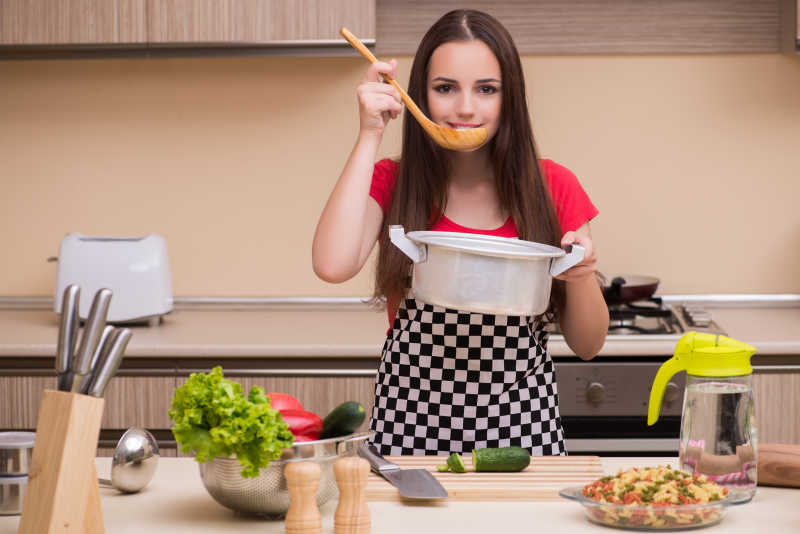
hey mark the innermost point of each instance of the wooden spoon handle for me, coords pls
(358, 45)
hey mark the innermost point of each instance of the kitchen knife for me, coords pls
(67, 334)
(412, 483)
(108, 368)
(92, 331)
(100, 354)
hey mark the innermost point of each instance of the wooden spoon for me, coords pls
(452, 138)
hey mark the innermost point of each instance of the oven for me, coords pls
(603, 402)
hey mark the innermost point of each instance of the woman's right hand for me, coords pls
(378, 102)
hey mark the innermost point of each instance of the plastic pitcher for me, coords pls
(718, 427)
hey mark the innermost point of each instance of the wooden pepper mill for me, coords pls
(352, 514)
(303, 516)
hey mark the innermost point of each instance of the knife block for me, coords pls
(62, 494)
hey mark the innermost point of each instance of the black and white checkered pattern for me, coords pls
(452, 381)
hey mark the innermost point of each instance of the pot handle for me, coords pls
(417, 253)
(574, 256)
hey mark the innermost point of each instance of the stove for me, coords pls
(603, 402)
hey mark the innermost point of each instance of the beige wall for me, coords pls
(694, 162)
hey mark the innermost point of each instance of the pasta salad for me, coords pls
(655, 498)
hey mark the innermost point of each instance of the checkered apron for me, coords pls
(452, 381)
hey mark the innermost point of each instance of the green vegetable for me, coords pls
(343, 420)
(213, 418)
(455, 463)
(443, 468)
(507, 459)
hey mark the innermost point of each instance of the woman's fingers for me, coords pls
(381, 67)
(585, 267)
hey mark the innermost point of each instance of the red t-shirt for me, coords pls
(572, 204)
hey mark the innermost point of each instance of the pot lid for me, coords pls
(509, 247)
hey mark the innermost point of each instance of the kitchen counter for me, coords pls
(175, 502)
(352, 331)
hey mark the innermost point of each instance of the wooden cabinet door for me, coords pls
(777, 398)
(257, 21)
(138, 401)
(21, 400)
(60, 22)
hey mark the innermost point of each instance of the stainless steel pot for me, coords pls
(487, 274)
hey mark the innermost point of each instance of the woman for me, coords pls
(452, 380)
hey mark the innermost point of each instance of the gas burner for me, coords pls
(642, 317)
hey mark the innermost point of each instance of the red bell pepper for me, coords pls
(305, 426)
(283, 401)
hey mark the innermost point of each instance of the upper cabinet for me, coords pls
(71, 28)
(257, 21)
(72, 22)
(790, 25)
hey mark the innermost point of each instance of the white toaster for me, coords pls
(135, 269)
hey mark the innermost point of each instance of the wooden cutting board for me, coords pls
(540, 481)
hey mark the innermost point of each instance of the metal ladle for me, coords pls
(134, 463)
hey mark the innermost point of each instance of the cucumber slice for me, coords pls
(456, 464)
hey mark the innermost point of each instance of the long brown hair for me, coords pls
(420, 192)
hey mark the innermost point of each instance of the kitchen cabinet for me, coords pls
(257, 21)
(142, 395)
(790, 26)
(72, 22)
(777, 398)
(122, 26)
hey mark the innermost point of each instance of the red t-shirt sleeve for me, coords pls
(572, 204)
(383, 176)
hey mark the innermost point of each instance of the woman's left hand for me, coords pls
(588, 266)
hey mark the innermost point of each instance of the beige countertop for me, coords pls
(349, 331)
(175, 502)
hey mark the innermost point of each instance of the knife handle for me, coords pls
(67, 334)
(377, 462)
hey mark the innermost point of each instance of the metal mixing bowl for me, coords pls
(268, 494)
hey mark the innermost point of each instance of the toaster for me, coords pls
(135, 269)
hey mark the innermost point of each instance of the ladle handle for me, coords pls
(358, 45)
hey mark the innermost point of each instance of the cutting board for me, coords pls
(540, 481)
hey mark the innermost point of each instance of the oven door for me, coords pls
(603, 406)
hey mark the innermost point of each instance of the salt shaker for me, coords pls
(303, 516)
(352, 514)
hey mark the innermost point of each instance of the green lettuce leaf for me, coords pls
(212, 417)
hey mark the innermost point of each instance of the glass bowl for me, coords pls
(634, 517)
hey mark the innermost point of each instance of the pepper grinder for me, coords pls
(303, 516)
(352, 514)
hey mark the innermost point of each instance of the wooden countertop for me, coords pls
(349, 331)
(176, 502)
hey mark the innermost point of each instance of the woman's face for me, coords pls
(464, 86)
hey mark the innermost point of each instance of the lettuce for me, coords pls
(213, 418)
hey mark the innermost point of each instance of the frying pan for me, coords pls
(626, 288)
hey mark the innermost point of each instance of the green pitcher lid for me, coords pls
(710, 355)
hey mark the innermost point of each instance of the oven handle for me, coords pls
(623, 444)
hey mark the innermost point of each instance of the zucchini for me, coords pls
(508, 459)
(343, 420)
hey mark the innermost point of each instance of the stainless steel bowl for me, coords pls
(268, 494)
(12, 493)
(16, 449)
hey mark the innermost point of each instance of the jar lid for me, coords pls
(16, 479)
(509, 247)
(17, 440)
